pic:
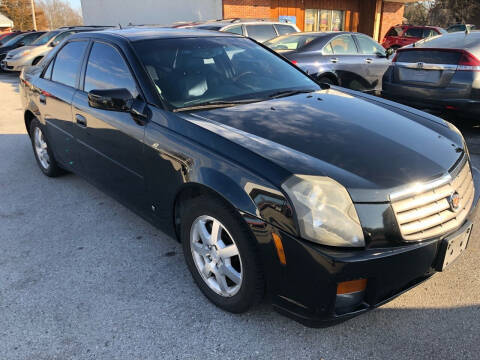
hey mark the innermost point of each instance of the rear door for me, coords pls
(56, 89)
(110, 142)
(375, 62)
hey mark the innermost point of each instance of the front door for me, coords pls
(110, 142)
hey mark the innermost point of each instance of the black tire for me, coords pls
(252, 286)
(325, 80)
(37, 60)
(53, 169)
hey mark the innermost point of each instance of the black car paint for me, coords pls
(243, 155)
(357, 71)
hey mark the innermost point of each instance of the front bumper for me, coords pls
(11, 65)
(305, 289)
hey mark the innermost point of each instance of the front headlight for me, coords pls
(23, 53)
(325, 211)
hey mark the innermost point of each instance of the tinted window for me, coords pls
(285, 29)
(62, 36)
(14, 40)
(193, 71)
(28, 39)
(327, 49)
(414, 32)
(67, 63)
(261, 33)
(209, 27)
(429, 33)
(369, 47)
(429, 57)
(45, 38)
(235, 30)
(106, 69)
(343, 45)
(395, 31)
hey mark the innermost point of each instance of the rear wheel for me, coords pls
(221, 255)
(43, 154)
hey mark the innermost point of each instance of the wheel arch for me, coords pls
(28, 116)
(330, 75)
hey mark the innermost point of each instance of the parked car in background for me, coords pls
(4, 37)
(17, 59)
(351, 60)
(271, 181)
(461, 27)
(403, 35)
(257, 29)
(439, 74)
(18, 41)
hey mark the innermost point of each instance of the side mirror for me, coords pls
(54, 43)
(390, 52)
(112, 100)
(20, 44)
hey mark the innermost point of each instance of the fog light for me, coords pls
(350, 294)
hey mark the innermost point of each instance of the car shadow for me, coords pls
(11, 79)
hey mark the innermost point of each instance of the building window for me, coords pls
(324, 20)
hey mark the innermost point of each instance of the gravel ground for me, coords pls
(82, 277)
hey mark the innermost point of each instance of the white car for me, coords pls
(17, 59)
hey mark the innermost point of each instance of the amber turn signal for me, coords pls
(279, 246)
(348, 287)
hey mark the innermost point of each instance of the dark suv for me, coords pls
(403, 35)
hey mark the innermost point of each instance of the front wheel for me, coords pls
(221, 254)
(43, 153)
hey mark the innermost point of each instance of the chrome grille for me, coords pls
(428, 213)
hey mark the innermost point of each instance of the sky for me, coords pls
(75, 4)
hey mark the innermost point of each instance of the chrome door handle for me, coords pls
(81, 121)
(368, 61)
(334, 60)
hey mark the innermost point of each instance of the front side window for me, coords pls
(285, 29)
(192, 71)
(235, 30)
(291, 42)
(344, 45)
(62, 36)
(67, 63)
(106, 70)
(369, 47)
(261, 33)
(14, 40)
(395, 31)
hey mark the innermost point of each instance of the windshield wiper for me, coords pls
(286, 93)
(216, 104)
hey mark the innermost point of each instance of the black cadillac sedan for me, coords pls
(330, 201)
(351, 60)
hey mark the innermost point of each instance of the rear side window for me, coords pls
(414, 32)
(235, 30)
(261, 33)
(395, 31)
(285, 29)
(106, 69)
(344, 45)
(67, 63)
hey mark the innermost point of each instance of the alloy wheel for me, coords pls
(41, 148)
(216, 256)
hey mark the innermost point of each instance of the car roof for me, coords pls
(138, 34)
(455, 40)
(224, 23)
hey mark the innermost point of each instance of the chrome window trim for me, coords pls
(426, 66)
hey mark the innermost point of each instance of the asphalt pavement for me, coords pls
(82, 277)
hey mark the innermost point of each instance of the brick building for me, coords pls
(372, 17)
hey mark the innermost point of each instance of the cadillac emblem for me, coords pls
(454, 201)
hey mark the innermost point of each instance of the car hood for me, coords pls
(370, 146)
(20, 49)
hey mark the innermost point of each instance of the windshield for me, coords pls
(42, 40)
(14, 40)
(290, 42)
(193, 71)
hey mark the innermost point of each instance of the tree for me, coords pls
(19, 11)
(447, 12)
(417, 13)
(59, 13)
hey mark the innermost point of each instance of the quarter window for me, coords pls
(67, 63)
(344, 45)
(261, 33)
(106, 69)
